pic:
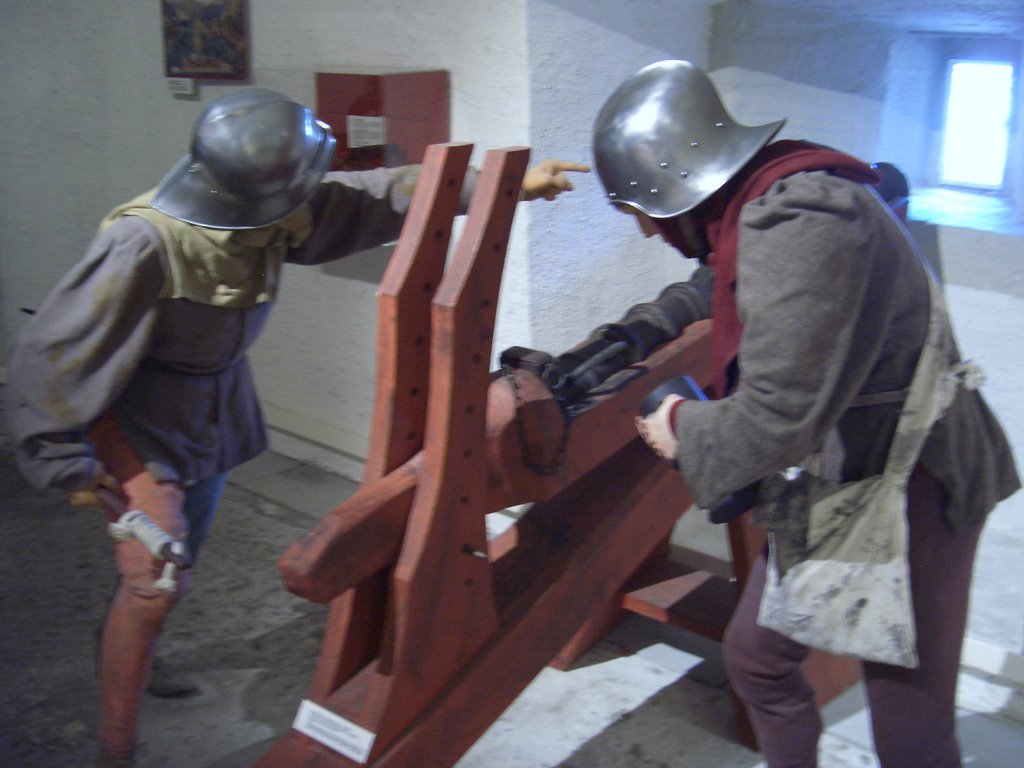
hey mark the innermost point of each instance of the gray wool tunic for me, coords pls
(173, 371)
(834, 303)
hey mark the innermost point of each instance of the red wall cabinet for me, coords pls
(383, 119)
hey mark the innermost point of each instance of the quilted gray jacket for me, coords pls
(834, 303)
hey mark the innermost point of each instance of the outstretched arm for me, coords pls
(357, 210)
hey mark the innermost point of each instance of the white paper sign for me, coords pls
(365, 131)
(182, 86)
(334, 731)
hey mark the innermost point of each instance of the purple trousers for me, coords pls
(912, 710)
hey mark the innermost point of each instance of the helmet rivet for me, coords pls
(613, 195)
(664, 165)
(632, 183)
(685, 174)
(654, 191)
(694, 143)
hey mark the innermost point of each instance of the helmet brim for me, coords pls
(664, 201)
(664, 142)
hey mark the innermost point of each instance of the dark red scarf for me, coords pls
(774, 162)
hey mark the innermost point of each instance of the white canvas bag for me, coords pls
(847, 590)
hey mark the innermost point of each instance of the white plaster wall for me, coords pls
(315, 363)
(823, 74)
(1017, 149)
(810, 111)
(586, 263)
(905, 135)
(985, 260)
(88, 121)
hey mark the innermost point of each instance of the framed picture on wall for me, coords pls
(206, 39)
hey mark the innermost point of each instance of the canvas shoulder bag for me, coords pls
(838, 577)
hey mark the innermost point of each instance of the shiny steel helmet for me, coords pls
(663, 142)
(256, 156)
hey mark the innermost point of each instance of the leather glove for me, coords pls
(659, 430)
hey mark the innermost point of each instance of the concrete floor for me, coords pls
(647, 695)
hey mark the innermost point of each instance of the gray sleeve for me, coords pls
(807, 250)
(78, 351)
(354, 211)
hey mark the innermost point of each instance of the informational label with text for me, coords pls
(365, 131)
(334, 731)
(183, 86)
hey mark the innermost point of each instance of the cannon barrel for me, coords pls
(614, 346)
(534, 450)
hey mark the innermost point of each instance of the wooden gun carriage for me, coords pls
(433, 629)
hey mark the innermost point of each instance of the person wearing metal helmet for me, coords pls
(821, 310)
(129, 387)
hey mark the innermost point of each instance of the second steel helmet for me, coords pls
(256, 156)
(664, 143)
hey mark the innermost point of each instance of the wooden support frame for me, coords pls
(433, 630)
